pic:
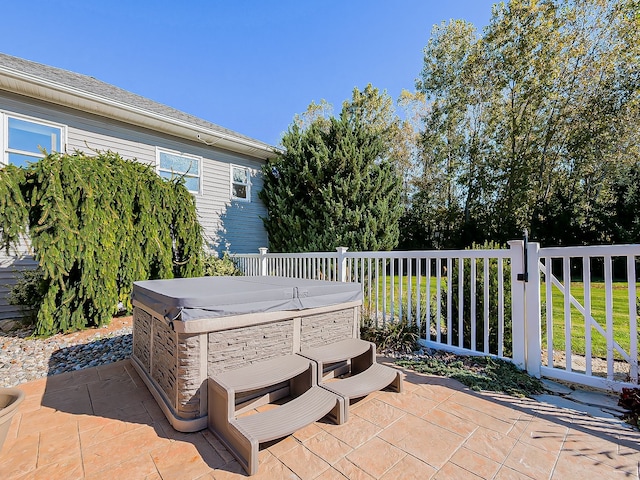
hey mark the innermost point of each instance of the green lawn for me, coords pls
(384, 290)
(598, 309)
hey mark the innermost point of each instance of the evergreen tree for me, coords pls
(333, 186)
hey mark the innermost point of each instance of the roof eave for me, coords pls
(36, 87)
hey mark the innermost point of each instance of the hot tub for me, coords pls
(186, 330)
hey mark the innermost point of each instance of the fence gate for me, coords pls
(586, 300)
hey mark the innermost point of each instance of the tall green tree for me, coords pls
(531, 121)
(336, 183)
(454, 168)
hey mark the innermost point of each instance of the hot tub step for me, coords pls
(359, 354)
(366, 376)
(374, 378)
(337, 351)
(263, 374)
(243, 435)
(284, 420)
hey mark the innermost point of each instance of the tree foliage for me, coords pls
(97, 224)
(531, 124)
(337, 182)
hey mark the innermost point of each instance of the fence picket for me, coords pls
(586, 280)
(549, 312)
(486, 305)
(427, 321)
(438, 325)
(633, 318)
(500, 308)
(419, 296)
(460, 302)
(566, 277)
(449, 300)
(608, 295)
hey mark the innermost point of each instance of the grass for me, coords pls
(401, 284)
(578, 344)
(621, 328)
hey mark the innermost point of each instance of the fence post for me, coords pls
(342, 264)
(516, 247)
(532, 312)
(263, 261)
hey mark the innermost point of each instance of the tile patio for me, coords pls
(102, 423)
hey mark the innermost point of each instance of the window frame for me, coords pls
(160, 150)
(247, 185)
(4, 138)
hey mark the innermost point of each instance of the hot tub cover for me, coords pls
(209, 297)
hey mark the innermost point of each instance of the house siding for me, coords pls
(11, 267)
(227, 224)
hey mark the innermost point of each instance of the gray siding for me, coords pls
(228, 225)
(11, 267)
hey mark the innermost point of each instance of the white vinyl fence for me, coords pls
(496, 302)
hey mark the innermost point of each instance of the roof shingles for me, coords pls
(93, 86)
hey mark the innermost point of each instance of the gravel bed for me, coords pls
(23, 359)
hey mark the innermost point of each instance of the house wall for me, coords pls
(11, 267)
(228, 224)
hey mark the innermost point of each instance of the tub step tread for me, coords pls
(263, 374)
(374, 378)
(338, 351)
(286, 419)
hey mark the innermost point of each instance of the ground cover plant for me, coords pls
(97, 224)
(630, 399)
(477, 373)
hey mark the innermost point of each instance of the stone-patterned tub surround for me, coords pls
(176, 358)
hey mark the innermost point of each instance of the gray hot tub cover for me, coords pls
(210, 297)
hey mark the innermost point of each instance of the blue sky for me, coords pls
(245, 65)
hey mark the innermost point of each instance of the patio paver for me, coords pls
(103, 423)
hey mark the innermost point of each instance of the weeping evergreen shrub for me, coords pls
(97, 224)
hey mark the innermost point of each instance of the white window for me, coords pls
(240, 183)
(24, 139)
(174, 164)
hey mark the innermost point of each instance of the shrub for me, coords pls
(397, 336)
(97, 224)
(630, 399)
(214, 266)
(28, 293)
